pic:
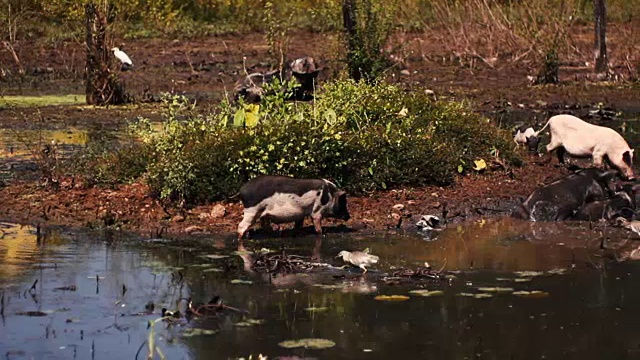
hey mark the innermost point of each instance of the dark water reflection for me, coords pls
(591, 310)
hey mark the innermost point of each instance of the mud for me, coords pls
(131, 207)
(205, 69)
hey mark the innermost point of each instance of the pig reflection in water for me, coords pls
(281, 199)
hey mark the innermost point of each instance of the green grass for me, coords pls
(9, 101)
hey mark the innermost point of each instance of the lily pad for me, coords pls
(392, 297)
(328, 287)
(215, 256)
(205, 265)
(476, 296)
(427, 293)
(240, 281)
(250, 322)
(495, 289)
(197, 332)
(558, 271)
(316, 309)
(529, 273)
(308, 344)
(535, 294)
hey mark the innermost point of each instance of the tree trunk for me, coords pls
(349, 22)
(600, 51)
(103, 86)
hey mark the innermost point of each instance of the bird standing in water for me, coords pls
(361, 259)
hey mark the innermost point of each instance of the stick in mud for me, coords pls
(33, 287)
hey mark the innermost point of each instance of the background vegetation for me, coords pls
(363, 136)
(197, 17)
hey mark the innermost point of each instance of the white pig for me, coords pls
(580, 139)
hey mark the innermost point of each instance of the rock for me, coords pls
(430, 92)
(434, 194)
(193, 228)
(411, 202)
(177, 218)
(405, 72)
(398, 207)
(203, 216)
(218, 211)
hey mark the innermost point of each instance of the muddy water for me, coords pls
(587, 307)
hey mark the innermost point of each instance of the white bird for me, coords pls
(124, 58)
(360, 259)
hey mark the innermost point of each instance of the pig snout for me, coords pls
(340, 210)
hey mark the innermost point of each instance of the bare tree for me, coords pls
(600, 50)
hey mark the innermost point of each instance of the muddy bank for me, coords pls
(131, 207)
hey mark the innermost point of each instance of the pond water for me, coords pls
(586, 307)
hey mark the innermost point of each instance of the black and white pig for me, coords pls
(621, 204)
(561, 199)
(281, 199)
(578, 138)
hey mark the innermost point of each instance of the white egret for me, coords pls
(124, 58)
(361, 259)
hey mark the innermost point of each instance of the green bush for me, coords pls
(363, 136)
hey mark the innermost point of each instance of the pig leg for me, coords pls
(597, 159)
(553, 145)
(317, 223)
(560, 151)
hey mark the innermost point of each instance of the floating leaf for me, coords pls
(316, 309)
(328, 287)
(391, 297)
(205, 265)
(477, 296)
(240, 281)
(427, 293)
(308, 344)
(250, 322)
(479, 165)
(197, 332)
(529, 273)
(495, 289)
(557, 271)
(535, 294)
(215, 256)
(482, 296)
